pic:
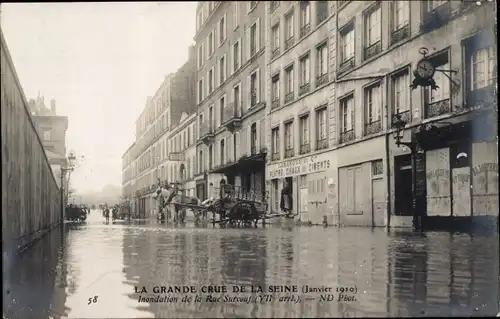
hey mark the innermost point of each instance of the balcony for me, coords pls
(405, 116)
(289, 153)
(346, 66)
(436, 18)
(275, 53)
(253, 98)
(400, 34)
(322, 144)
(207, 133)
(373, 127)
(304, 88)
(305, 30)
(232, 116)
(321, 79)
(437, 108)
(373, 50)
(347, 136)
(289, 97)
(176, 156)
(275, 157)
(322, 15)
(275, 104)
(289, 43)
(305, 148)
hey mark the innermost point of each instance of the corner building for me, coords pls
(301, 54)
(377, 51)
(231, 104)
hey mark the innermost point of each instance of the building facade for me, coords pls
(182, 155)
(146, 162)
(299, 87)
(52, 130)
(231, 97)
(363, 177)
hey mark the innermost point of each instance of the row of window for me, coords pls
(319, 60)
(217, 75)
(223, 110)
(321, 9)
(301, 137)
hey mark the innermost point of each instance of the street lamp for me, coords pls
(68, 169)
(398, 124)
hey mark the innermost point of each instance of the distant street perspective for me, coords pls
(250, 159)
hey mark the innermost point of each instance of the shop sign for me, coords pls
(301, 166)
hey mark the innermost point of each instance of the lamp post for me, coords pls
(399, 125)
(68, 169)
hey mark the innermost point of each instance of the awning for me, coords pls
(248, 163)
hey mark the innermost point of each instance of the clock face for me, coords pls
(425, 69)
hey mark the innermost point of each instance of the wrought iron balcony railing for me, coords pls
(289, 97)
(437, 108)
(304, 88)
(275, 157)
(322, 144)
(206, 128)
(322, 15)
(347, 136)
(275, 53)
(346, 66)
(231, 111)
(404, 114)
(400, 34)
(289, 153)
(321, 79)
(373, 127)
(289, 43)
(305, 148)
(373, 50)
(305, 30)
(275, 104)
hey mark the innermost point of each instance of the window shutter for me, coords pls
(247, 49)
(248, 98)
(231, 58)
(262, 133)
(225, 26)
(238, 145)
(216, 154)
(249, 139)
(257, 31)
(258, 85)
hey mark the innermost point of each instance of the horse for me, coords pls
(172, 196)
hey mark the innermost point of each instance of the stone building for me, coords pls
(149, 156)
(299, 80)
(52, 130)
(378, 48)
(182, 153)
(231, 96)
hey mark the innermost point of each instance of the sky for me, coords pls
(100, 62)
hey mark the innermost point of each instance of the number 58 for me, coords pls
(92, 300)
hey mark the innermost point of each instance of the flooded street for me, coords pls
(400, 273)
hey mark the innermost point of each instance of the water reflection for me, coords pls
(31, 286)
(395, 273)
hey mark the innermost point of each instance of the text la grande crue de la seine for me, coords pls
(299, 166)
(231, 289)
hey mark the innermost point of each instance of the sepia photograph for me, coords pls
(250, 159)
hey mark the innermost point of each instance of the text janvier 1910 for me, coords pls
(230, 289)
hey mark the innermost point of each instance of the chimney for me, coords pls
(53, 106)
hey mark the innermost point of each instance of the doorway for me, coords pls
(403, 181)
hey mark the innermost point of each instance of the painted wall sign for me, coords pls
(305, 165)
(476, 170)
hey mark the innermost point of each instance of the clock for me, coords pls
(425, 69)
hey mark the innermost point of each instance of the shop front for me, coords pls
(309, 179)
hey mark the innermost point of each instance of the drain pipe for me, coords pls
(387, 167)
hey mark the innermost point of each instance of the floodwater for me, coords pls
(95, 272)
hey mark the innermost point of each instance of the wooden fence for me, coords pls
(30, 195)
